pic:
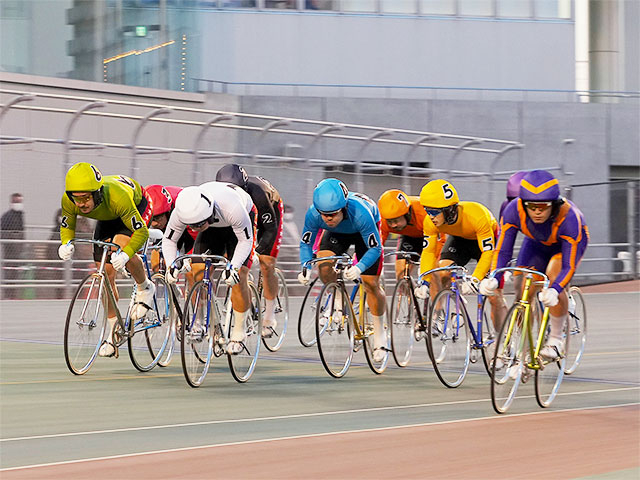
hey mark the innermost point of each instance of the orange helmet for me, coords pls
(393, 204)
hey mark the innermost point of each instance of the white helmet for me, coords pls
(194, 205)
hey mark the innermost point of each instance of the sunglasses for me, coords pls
(199, 224)
(542, 206)
(330, 214)
(81, 199)
(433, 212)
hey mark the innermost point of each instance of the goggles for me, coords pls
(330, 214)
(199, 224)
(542, 206)
(433, 212)
(81, 199)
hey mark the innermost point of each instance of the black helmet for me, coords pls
(233, 173)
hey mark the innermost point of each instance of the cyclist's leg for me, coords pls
(270, 284)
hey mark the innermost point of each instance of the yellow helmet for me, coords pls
(83, 177)
(438, 194)
(393, 204)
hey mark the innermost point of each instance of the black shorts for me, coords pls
(219, 241)
(460, 250)
(107, 229)
(410, 244)
(339, 243)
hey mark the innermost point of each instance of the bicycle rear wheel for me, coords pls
(508, 360)
(196, 341)
(577, 330)
(85, 325)
(403, 322)
(334, 331)
(306, 320)
(273, 337)
(150, 335)
(448, 338)
(549, 375)
(243, 364)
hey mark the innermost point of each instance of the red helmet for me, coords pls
(161, 198)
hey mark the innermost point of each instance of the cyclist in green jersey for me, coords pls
(123, 211)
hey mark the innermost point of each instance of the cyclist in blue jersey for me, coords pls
(346, 219)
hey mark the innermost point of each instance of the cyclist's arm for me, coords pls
(486, 242)
(370, 232)
(309, 234)
(68, 220)
(570, 239)
(134, 222)
(243, 229)
(172, 234)
(428, 258)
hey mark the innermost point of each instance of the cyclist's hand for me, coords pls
(173, 272)
(65, 251)
(422, 291)
(231, 276)
(304, 277)
(470, 287)
(548, 297)
(352, 273)
(119, 260)
(488, 286)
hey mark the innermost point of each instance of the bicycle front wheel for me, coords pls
(508, 360)
(196, 341)
(334, 330)
(150, 335)
(243, 364)
(176, 325)
(377, 361)
(549, 375)
(86, 323)
(307, 316)
(403, 322)
(489, 335)
(274, 336)
(577, 330)
(448, 338)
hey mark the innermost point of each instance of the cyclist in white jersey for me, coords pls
(224, 217)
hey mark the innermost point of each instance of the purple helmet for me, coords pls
(513, 185)
(539, 186)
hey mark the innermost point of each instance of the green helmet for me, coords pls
(84, 177)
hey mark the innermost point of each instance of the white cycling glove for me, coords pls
(119, 260)
(548, 297)
(232, 277)
(488, 286)
(65, 251)
(470, 287)
(304, 277)
(422, 291)
(352, 273)
(173, 272)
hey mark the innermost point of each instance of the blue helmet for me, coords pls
(330, 195)
(539, 186)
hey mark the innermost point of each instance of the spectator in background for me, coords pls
(12, 228)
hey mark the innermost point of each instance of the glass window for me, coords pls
(437, 7)
(514, 8)
(358, 5)
(399, 6)
(482, 8)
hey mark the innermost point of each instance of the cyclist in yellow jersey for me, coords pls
(471, 233)
(123, 212)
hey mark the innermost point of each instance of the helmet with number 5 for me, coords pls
(161, 199)
(84, 177)
(330, 195)
(193, 205)
(393, 204)
(438, 194)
